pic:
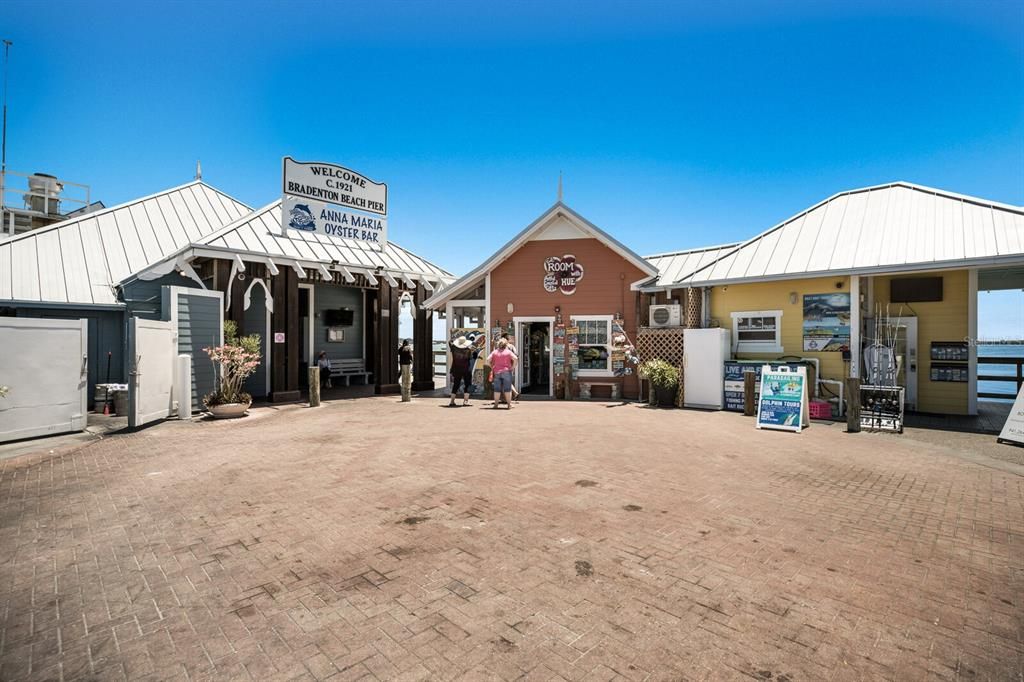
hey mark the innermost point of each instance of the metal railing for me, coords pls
(1017, 378)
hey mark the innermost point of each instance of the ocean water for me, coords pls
(999, 350)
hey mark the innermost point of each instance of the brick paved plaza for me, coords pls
(371, 539)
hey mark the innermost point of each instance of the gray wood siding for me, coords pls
(330, 297)
(143, 298)
(199, 323)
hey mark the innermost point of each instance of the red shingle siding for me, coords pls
(603, 290)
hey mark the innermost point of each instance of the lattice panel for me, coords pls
(661, 344)
(693, 308)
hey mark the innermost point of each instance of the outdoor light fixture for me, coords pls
(511, 308)
(792, 298)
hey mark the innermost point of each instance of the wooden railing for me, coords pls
(1016, 379)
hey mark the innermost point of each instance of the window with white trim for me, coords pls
(757, 331)
(594, 345)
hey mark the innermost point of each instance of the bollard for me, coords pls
(853, 405)
(749, 389)
(314, 386)
(183, 387)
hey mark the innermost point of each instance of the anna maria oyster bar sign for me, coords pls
(316, 197)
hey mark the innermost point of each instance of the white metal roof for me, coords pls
(896, 227)
(259, 234)
(672, 266)
(78, 261)
(533, 230)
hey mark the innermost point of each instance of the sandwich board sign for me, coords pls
(332, 200)
(1013, 429)
(782, 403)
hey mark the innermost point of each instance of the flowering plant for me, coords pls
(236, 361)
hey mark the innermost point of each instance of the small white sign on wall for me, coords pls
(278, 337)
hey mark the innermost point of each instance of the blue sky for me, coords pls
(675, 124)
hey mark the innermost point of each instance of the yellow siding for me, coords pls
(776, 296)
(940, 321)
(945, 320)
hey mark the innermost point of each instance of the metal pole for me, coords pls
(3, 152)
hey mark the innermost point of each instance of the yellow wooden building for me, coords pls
(908, 261)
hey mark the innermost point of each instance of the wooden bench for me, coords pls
(348, 369)
(585, 387)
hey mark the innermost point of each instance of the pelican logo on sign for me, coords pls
(562, 274)
(301, 218)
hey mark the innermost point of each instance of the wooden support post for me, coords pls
(423, 344)
(284, 357)
(314, 386)
(749, 389)
(292, 330)
(853, 405)
(386, 350)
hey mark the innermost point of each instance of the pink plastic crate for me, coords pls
(820, 409)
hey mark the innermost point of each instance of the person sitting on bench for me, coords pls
(324, 363)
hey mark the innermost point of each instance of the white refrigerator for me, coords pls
(704, 354)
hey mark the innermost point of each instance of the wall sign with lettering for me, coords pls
(316, 197)
(562, 274)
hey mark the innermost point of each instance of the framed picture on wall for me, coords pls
(335, 334)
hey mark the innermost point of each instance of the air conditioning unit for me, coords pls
(670, 315)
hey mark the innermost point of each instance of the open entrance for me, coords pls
(533, 338)
(999, 336)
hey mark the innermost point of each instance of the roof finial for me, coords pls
(199, 170)
(559, 186)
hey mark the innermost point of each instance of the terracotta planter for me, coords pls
(666, 395)
(229, 410)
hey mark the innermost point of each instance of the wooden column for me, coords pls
(284, 357)
(294, 352)
(423, 344)
(853, 405)
(749, 389)
(386, 349)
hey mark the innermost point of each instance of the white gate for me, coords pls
(45, 365)
(151, 352)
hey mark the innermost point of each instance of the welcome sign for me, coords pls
(316, 198)
(782, 403)
(334, 184)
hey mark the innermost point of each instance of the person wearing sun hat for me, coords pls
(462, 368)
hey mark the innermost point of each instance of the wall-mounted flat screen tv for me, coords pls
(340, 317)
(916, 289)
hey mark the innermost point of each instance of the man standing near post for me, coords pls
(405, 362)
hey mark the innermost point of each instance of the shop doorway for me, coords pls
(533, 341)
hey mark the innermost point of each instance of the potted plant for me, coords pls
(664, 379)
(235, 361)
